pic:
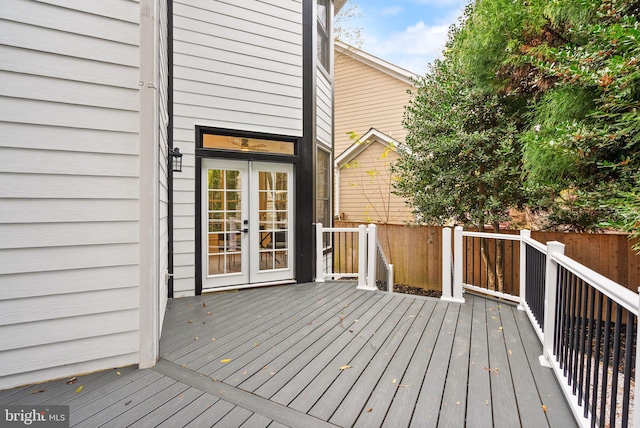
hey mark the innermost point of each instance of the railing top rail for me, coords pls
(491, 235)
(535, 244)
(612, 289)
(339, 229)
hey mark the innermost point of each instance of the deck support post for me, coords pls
(524, 235)
(551, 287)
(319, 254)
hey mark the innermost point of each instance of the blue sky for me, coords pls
(407, 33)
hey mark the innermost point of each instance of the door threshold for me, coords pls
(256, 285)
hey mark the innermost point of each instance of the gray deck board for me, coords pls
(190, 411)
(304, 389)
(314, 357)
(402, 408)
(505, 407)
(479, 405)
(242, 331)
(248, 351)
(414, 361)
(454, 399)
(304, 344)
(393, 379)
(527, 396)
(314, 323)
(430, 398)
(333, 396)
(353, 403)
(558, 412)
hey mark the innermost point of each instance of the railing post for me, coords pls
(390, 279)
(372, 257)
(458, 264)
(524, 234)
(636, 419)
(551, 287)
(446, 264)
(453, 291)
(319, 254)
(362, 256)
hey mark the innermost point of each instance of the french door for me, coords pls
(247, 215)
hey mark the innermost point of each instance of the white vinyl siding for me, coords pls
(69, 187)
(324, 108)
(237, 65)
(366, 98)
(163, 193)
(366, 191)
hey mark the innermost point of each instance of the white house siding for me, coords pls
(69, 187)
(324, 108)
(237, 65)
(163, 81)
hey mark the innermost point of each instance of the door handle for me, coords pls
(245, 230)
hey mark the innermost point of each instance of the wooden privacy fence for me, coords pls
(416, 254)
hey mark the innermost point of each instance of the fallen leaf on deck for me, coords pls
(394, 380)
(403, 385)
(118, 373)
(208, 312)
(344, 367)
(457, 403)
(500, 328)
(128, 402)
(369, 410)
(38, 391)
(256, 344)
(72, 381)
(544, 408)
(204, 305)
(226, 360)
(197, 338)
(265, 367)
(213, 339)
(190, 321)
(510, 352)
(79, 389)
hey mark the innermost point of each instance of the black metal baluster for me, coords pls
(616, 367)
(629, 363)
(596, 371)
(592, 298)
(580, 351)
(605, 363)
(577, 333)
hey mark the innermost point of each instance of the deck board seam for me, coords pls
(262, 406)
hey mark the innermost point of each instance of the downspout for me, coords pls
(170, 146)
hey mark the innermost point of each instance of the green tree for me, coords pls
(462, 161)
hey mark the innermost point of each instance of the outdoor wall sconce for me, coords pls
(176, 159)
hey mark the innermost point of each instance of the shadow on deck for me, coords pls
(320, 355)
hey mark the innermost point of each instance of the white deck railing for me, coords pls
(348, 253)
(587, 324)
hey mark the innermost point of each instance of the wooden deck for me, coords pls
(324, 355)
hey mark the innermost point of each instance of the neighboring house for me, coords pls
(96, 230)
(370, 96)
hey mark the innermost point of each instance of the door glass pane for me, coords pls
(225, 221)
(273, 215)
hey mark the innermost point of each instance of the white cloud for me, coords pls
(391, 11)
(411, 49)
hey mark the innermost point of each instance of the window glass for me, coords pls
(322, 43)
(323, 189)
(247, 144)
